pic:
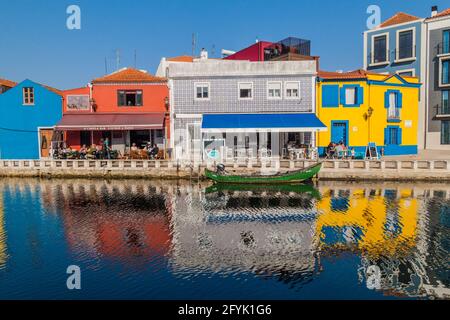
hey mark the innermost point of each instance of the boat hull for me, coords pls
(290, 177)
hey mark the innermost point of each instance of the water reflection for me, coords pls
(3, 248)
(300, 241)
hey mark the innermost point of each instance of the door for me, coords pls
(45, 138)
(339, 132)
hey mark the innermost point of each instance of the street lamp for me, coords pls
(367, 117)
(166, 105)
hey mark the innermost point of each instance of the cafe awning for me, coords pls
(111, 121)
(281, 122)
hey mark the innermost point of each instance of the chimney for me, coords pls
(203, 54)
(434, 10)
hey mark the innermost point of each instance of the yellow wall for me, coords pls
(370, 214)
(362, 131)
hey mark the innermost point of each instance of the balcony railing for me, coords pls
(443, 48)
(442, 111)
(405, 53)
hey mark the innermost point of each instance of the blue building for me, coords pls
(398, 46)
(28, 113)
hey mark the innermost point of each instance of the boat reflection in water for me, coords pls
(156, 240)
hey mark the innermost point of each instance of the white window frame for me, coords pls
(202, 84)
(372, 55)
(286, 88)
(413, 71)
(397, 45)
(441, 60)
(23, 96)
(268, 88)
(239, 90)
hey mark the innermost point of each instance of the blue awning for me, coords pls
(282, 122)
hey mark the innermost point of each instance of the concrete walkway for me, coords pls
(424, 155)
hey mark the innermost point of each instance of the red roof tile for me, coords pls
(357, 74)
(400, 17)
(444, 13)
(7, 83)
(181, 59)
(128, 75)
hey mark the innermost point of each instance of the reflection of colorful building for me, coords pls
(379, 224)
(360, 108)
(141, 229)
(3, 254)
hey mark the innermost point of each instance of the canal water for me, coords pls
(181, 240)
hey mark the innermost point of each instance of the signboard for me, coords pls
(212, 149)
(372, 151)
(78, 102)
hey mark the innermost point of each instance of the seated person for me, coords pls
(83, 151)
(154, 152)
(339, 150)
(134, 147)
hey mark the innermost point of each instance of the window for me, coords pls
(393, 110)
(274, 90)
(129, 98)
(393, 136)
(350, 96)
(405, 44)
(445, 75)
(28, 96)
(202, 91)
(446, 42)
(292, 90)
(445, 108)
(246, 90)
(78, 102)
(406, 73)
(380, 49)
(445, 132)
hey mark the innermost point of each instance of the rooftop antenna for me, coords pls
(117, 59)
(135, 58)
(194, 43)
(106, 66)
(213, 50)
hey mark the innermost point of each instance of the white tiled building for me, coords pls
(226, 109)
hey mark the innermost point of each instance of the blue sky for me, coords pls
(35, 43)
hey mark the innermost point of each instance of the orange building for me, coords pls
(128, 107)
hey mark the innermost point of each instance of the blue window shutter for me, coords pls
(342, 94)
(386, 99)
(330, 96)
(399, 99)
(399, 136)
(386, 136)
(360, 95)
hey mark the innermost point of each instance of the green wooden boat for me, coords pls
(274, 188)
(288, 177)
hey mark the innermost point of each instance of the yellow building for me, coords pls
(361, 108)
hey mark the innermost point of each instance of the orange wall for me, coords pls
(105, 97)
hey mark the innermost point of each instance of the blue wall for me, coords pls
(19, 137)
(393, 67)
